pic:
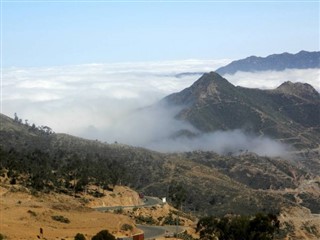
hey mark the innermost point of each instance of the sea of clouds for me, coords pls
(110, 102)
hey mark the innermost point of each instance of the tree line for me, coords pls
(259, 227)
(60, 171)
(32, 127)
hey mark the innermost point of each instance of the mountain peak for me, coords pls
(212, 79)
(302, 90)
(210, 86)
(212, 103)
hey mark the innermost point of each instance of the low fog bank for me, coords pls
(142, 127)
(232, 142)
(100, 101)
(156, 128)
(273, 79)
(93, 97)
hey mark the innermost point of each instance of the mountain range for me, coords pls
(274, 62)
(289, 113)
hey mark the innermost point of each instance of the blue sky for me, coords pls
(42, 33)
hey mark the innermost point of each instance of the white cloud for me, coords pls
(100, 101)
(224, 142)
(273, 79)
(92, 90)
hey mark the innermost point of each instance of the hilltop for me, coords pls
(274, 62)
(289, 113)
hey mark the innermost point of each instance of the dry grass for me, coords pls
(304, 224)
(22, 216)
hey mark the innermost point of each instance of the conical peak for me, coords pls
(211, 79)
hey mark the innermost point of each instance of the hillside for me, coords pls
(201, 183)
(208, 182)
(23, 214)
(289, 113)
(275, 62)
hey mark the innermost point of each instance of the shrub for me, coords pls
(261, 227)
(126, 227)
(32, 213)
(103, 235)
(79, 236)
(169, 220)
(118, 210)
(148, 220)
(97, 194)
(2, 237)
(184, 235)
(60, 219)
(312, 229)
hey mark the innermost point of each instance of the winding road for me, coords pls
(148, 202)
(150, 232)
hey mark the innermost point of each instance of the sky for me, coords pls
(87, 68)
(50, 33)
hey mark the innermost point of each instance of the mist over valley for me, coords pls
(118, 103)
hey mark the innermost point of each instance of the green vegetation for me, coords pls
(145, 220)
(32, 127)
(60, 219)
(170, 220)
(177, 194)
(66, 164)
(60, 171)
(79, 236)
(259, 227)
(118, 210)
(103, 235)
(126, 227)
(184, 235)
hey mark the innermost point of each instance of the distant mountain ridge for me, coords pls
(291, 111)
(274, 62)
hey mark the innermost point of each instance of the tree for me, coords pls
(116, 172)
(103, 235)
(263, 226)
(177, 194)
(259, 227)
(16, 118)
(79, 236)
